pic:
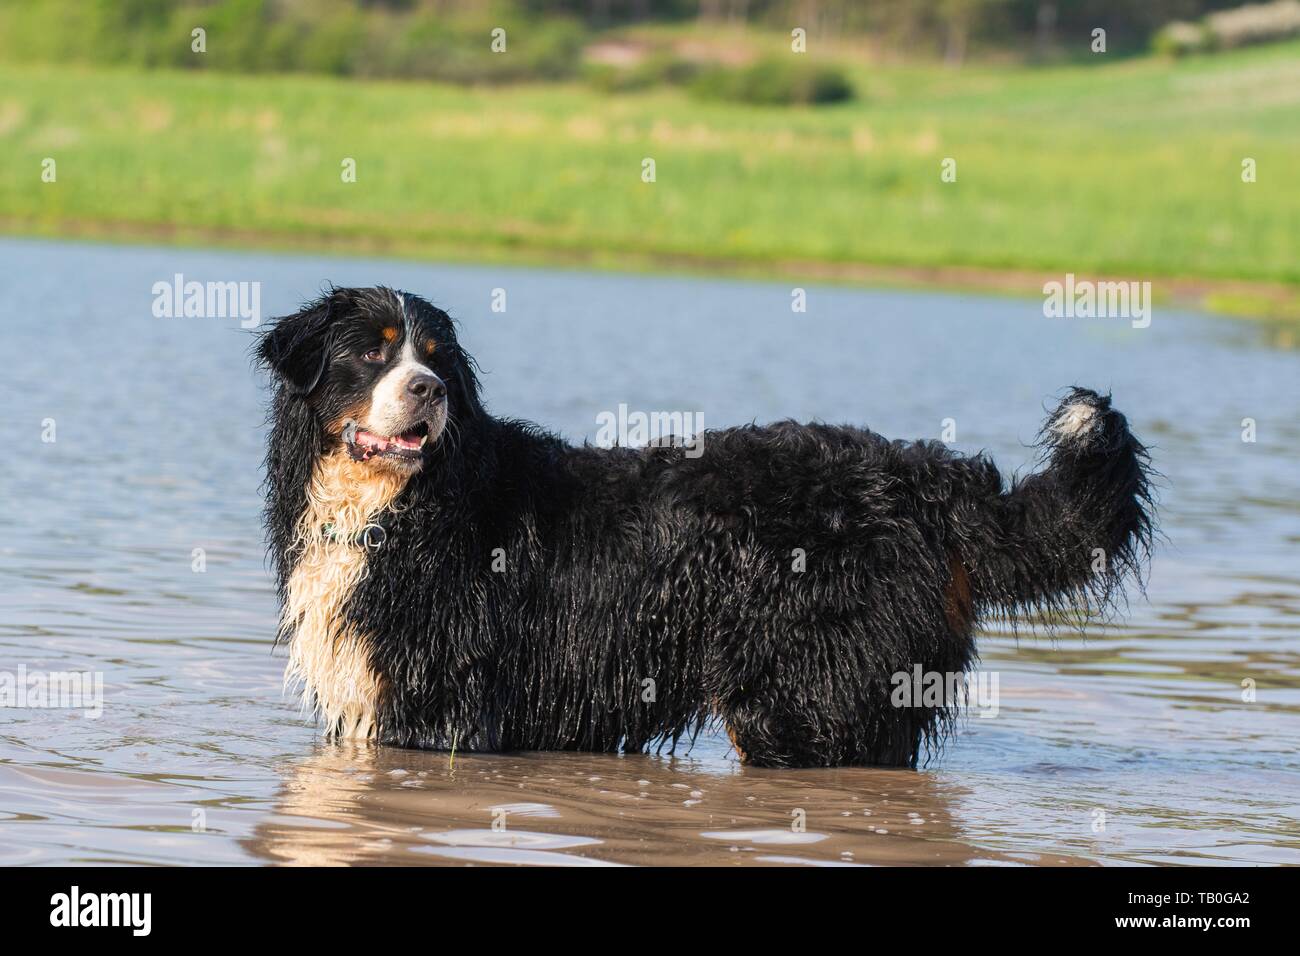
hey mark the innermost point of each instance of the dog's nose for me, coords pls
(426, 387)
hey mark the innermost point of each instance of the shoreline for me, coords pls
(1269, 303)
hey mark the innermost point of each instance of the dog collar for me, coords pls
(371, 537)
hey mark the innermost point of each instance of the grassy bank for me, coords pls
(1130, 169)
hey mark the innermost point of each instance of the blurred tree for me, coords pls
(960, 16)
(1045, 28)
(432, 38)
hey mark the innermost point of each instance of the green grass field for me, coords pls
(1132, 168)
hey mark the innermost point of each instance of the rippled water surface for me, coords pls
(1133, 743)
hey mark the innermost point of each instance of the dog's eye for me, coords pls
(374, 355)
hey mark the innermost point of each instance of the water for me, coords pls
(198, 757)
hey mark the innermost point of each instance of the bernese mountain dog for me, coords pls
(453, 580)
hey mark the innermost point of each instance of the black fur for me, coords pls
(624, 566)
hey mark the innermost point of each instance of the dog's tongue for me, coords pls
(379, 443)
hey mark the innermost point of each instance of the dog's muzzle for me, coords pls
(363, 444)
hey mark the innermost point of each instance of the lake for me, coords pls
(130, 548)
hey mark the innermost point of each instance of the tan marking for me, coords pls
(731, 735)
(328, 658)
(716, 707)
(429, 347)
(389, 333)
(957, 604)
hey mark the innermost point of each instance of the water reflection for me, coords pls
(354, 804)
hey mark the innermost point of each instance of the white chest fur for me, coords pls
(329, 658)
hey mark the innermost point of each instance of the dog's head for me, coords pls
(381, 369)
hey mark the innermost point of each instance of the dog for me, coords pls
(453, 580)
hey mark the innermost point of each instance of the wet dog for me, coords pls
(450, 579)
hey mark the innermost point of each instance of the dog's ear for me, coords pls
(297, 347)
(468, 404)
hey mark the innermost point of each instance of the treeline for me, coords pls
(923, 26)
(433, 39)
(449, 39)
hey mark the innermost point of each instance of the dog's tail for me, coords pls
(1069, 537)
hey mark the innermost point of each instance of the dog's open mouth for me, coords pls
(362, 444)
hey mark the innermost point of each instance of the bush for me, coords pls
(459, 51)
(339, 37)
(329, 48)
(657, 70)
(774, 82)
(1253, 23)
(1180, 39)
